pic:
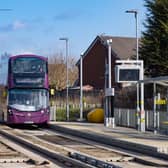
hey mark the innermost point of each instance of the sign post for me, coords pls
(131, 71)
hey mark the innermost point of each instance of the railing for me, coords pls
(127, 118)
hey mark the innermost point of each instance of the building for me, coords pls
(95, 58)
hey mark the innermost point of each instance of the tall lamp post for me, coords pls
(135, 12)
(67, 80)
(109, 92)
(81, 87)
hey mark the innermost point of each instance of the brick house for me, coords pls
(96, 57)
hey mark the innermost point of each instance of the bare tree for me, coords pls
(57, 71)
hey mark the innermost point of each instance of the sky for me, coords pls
(35, 26)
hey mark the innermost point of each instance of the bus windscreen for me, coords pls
(28, 65)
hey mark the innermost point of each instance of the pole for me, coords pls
(109, 63)
(110, 91)
(106, 120)
(135, 12)
(67, 80)
(81, 87)
(154, 108)
(109, 83)
(142, 116)
(137, 41)
(137, 58)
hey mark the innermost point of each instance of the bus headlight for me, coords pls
(10, 111)
(42, 111)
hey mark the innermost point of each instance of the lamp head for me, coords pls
(64, 38)
(109, 41)
(132, 11)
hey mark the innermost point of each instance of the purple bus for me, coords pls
(28, 71)
(28, 90)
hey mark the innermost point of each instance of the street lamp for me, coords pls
(135, 12)
(67, 80)
(109, 92)
(81, 87)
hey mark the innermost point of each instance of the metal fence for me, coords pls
(127, 118)
(125, 106)
(91, 99)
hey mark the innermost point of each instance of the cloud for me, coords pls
(6, 28)
(19, 25)
(16, 25)
(67, 15)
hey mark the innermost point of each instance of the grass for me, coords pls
(74, 114)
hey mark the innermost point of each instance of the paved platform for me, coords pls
(128, 138)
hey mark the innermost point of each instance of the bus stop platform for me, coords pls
(123, 137)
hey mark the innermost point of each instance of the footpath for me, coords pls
(126, 138)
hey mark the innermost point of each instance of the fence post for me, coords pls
(53, 113)
(119, 116)
(128, 122)
(147, 117)
(158, 120)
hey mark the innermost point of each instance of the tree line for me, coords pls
(154, 41)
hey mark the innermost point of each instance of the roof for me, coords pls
(123, 47)
(27, 56)
(161, 80)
